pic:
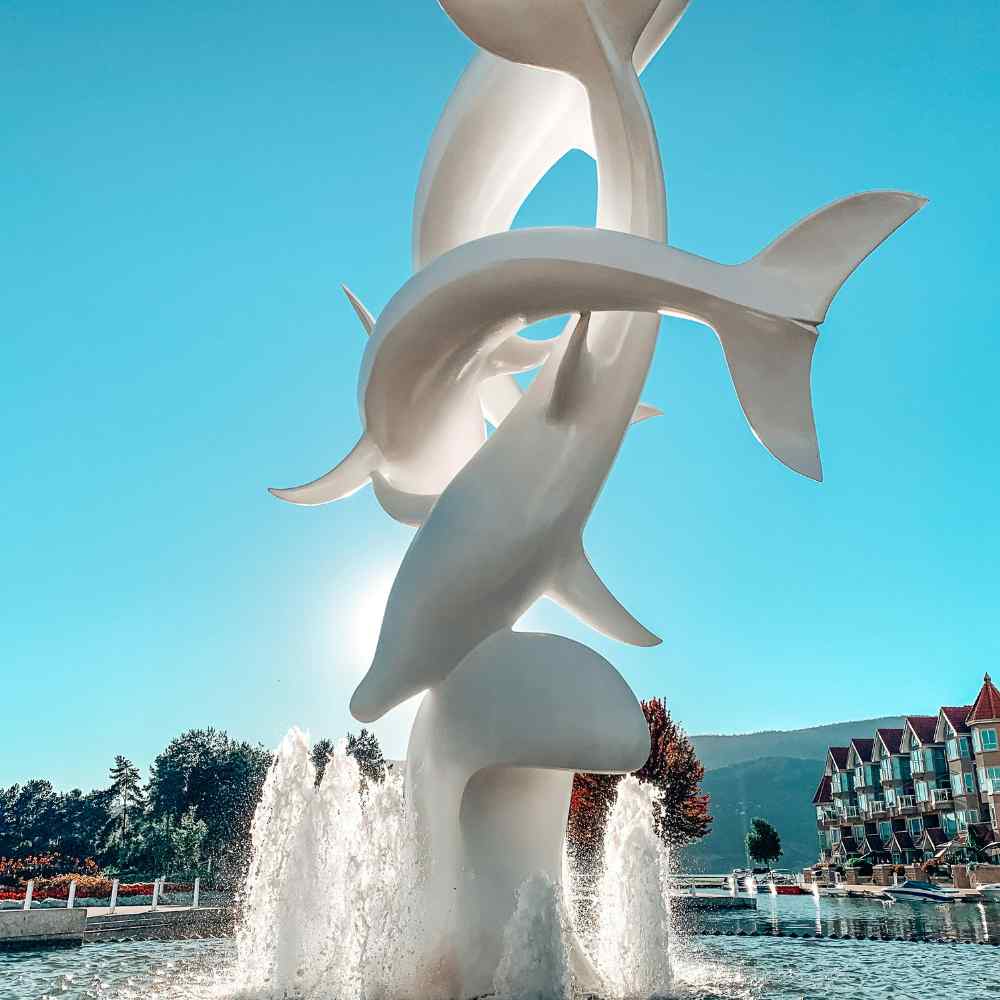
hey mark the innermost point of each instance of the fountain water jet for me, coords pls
(536, 955)
(631, 942)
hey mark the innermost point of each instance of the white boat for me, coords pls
(913, 891)
(991, 892)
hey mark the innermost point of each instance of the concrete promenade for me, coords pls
(51, 927)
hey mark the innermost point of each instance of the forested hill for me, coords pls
(776, 788)
(808, 744)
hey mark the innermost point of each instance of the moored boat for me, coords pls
(913, 891)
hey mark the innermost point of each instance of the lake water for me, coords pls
(706, 967)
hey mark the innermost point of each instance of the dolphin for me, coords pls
(489, 770)
(504, 127)
(508, 529)
(419, 439)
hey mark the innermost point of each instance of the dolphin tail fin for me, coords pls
(770, 359)
(770, 356)
(367, 319)
(581, 591)
(341, 481)
(815, 257)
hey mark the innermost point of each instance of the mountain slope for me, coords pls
(808, 744)
(777, 788)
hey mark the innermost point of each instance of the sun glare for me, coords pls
(361, 618)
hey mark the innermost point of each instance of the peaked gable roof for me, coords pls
(823, 792)
(987, 705)
(863, 748)
(890, 739)
(839, 756)
(902, 840)
(936, 836)
(955, 719)
(922, 726)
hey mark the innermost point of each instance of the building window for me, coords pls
(970, 783)
(890, 796)
(973, 815)
(885, 831)
(921, 791)
(976, 743)
(835, 835)
(952, 745)
(956, 784)
(991, 783)
(949, 824)
(915, 762)
(962, 819)
(915, 826)
(965, 748)
(988, 738)
(859, 833)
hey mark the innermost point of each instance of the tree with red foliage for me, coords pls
(682, 814)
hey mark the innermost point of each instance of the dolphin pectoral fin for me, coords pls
(367, 320)
(407, 508)
(645, 411)
(341, 481)
(581, 591)
(518, 354)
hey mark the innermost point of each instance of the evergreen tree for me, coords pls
(763, 842)
(126, 791)
(368, 754)
(321, 754)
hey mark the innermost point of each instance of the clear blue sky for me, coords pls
(185, 184)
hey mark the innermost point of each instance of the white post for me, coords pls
(29, 891)
(71, 899)
(156, 894)
(197, 893)
(114, 896)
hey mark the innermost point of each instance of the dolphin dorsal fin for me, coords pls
(367, 319)
(572, 368)
(579, 590)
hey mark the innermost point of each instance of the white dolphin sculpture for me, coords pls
(509, 527)
(417, 440)
(504, 127)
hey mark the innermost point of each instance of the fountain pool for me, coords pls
(704, 969)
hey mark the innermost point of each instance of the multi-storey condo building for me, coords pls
(930, 789)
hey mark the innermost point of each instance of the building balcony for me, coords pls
(939, 795)
(905, 804)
